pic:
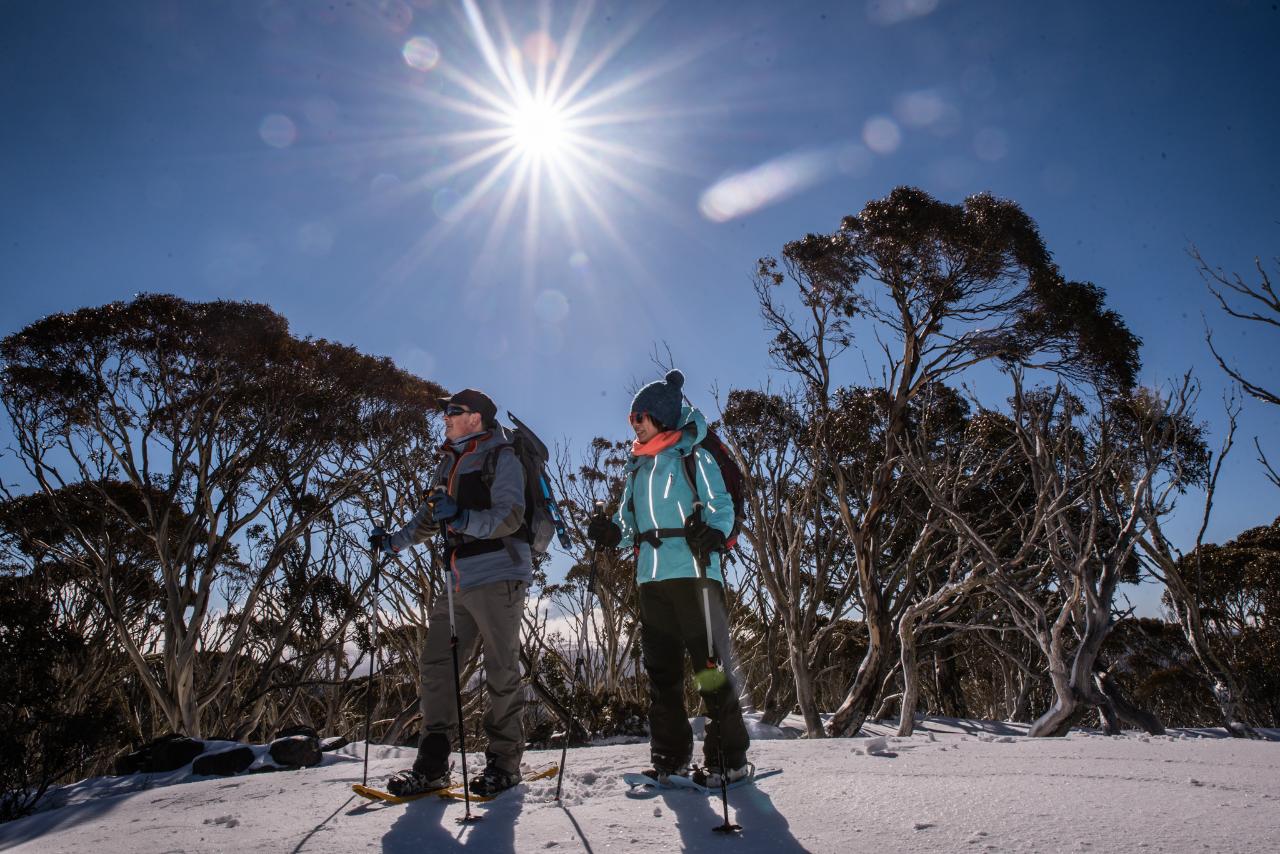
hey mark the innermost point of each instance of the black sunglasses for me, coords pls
(454, 409)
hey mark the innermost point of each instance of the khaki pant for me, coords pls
(489, 616)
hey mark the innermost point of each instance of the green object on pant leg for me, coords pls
(710, 680)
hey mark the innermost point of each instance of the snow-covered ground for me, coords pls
(954, 786)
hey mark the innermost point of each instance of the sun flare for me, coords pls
(538, 129)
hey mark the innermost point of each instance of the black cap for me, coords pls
(476, 401)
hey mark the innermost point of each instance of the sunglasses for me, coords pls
(638, 417)
(454, 409)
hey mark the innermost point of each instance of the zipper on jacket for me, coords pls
(653, 516)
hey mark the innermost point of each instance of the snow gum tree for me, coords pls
(1075, 483)
(1238, 586)
(596, 604)
(1254, 302)
(236, 437)
(942, 288)
(788, 529)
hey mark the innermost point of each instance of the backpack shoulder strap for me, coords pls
(489, 468)
(690, 461)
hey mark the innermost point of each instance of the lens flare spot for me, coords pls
(919, 109)
(769, 183)
(579, 260)
(551, 306)
(889, 12)
(421, 53)
(278, 131)
(397, 14)
(539, 48)
(881, 135)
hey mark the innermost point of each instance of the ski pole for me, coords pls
(457, 692)
(577, 665)
(701, 567)
(376, 563)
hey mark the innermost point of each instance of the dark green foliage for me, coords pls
(233, 452)
(1238, 587)
(978, 268)
(1153, 662)
(47, 732)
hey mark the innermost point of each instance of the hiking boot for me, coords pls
(493, 781)
(713, 778)
(413, 782)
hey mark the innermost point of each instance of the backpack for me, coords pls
(542, 518)
(731, 474)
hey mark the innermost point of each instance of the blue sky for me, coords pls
(309, 155)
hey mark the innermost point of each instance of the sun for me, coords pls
(538, 124)
(538, 129)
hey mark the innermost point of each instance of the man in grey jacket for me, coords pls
(478, 500)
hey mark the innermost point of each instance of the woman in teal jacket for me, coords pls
(675, 512)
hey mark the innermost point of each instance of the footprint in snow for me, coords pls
(226, 820)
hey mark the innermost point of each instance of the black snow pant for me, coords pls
(673, 625)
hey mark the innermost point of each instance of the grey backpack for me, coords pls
(542, 518)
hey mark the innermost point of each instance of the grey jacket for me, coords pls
(492, 546)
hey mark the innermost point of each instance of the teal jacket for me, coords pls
(658, 495)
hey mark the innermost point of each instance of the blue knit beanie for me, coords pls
(662, 400)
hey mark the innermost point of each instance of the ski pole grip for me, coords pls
(595, 557)
(701, 560)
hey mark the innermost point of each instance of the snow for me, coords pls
(955, 785)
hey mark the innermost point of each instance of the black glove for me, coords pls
(444, 508)
(380, 541)
(603, 532)
(702, 538)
